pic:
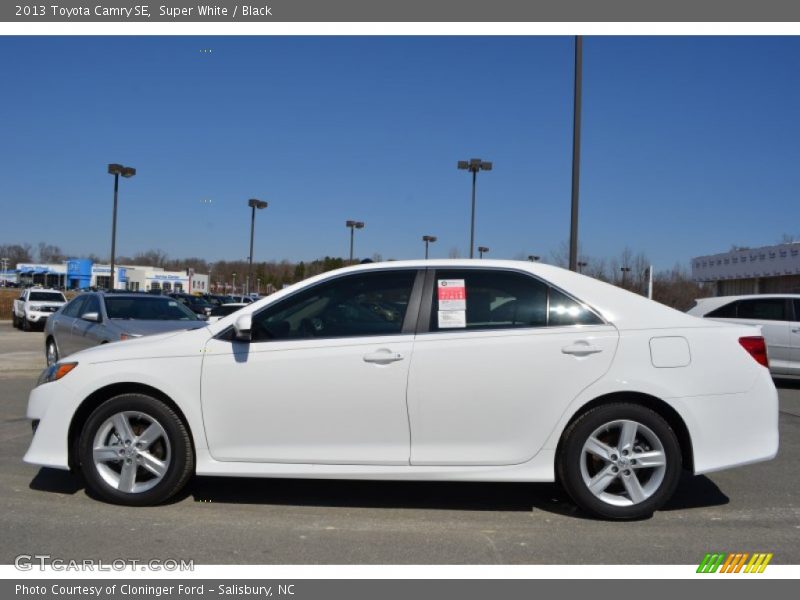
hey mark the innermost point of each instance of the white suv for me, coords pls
(778, 315)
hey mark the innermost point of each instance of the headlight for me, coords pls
(55, 372)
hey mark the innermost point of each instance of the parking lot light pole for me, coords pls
(254, 204)
(353, 225)
(116, 170)
(482, 250)
(428, 239)
(233, 285)
(581, 265)
(473, 165)
(533, 258)
(576, 154)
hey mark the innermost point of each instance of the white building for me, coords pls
(764, 270)
(82, 273)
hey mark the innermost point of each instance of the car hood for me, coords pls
(147, 328)
(172, 343)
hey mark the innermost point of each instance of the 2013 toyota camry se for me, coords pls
(453, 370)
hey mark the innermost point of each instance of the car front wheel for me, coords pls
(135, 450)
(620, 461)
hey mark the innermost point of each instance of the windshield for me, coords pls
(46, 297)
(146, 308)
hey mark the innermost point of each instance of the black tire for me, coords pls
(14, 320)
(573, 466)
(179, 453)
(26, 325)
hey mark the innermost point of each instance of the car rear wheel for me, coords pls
(135, 450)
(51, 352)
(620, 461)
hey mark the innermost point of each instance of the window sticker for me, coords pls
(452, 295)
(452, 319)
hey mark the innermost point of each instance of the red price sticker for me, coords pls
(452, 294)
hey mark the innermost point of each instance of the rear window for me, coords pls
(46, 297)
(146, 308)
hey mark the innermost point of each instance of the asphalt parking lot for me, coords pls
(257, 521)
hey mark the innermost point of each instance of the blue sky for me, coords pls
(690, 144)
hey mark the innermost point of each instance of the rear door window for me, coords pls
(763, 309)
(476, 299)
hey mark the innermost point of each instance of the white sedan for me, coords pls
(453, 370)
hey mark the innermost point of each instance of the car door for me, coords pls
(772, 315)
(86, 334)
(62, 325)
(503, 356)
(323, 379)
(794, 361)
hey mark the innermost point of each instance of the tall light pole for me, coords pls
(482, 250)
(233, 285)
(210, 282)
(258, 284)
(428, 239)
(254, 204)
(353, 225)
(533, 258)
(576, 154)
(473, 165)
(581, 265)
(127, 172)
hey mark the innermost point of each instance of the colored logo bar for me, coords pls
(734, 562)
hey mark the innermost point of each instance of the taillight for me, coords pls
(757, 348)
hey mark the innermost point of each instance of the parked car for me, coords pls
(217, 299)
(100, 317)
(196, 304)
(778, 316)
(34, 306)
(223, 310)
(430, 370)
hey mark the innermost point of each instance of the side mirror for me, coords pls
(242, 328)
(91, 316)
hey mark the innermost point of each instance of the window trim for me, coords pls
(426, 309)
(409, 321)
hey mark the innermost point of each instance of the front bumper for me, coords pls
(52, 405)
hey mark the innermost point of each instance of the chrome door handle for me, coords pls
(796, 330)
(581, 349)
(382, 357)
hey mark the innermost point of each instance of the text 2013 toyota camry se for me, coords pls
(451, 370)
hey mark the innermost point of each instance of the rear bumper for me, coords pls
(731, 430)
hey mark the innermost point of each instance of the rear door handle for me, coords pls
(383, 357)
(581, 349)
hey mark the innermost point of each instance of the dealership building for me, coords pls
(82, 273)
(765, 270)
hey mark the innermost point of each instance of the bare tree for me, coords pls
(16, 253)
(50, 254)
(454, 252)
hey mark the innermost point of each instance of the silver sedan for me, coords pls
(98, 318)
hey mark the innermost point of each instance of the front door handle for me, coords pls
(581, 349)
(796, 330)
(383, 357)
